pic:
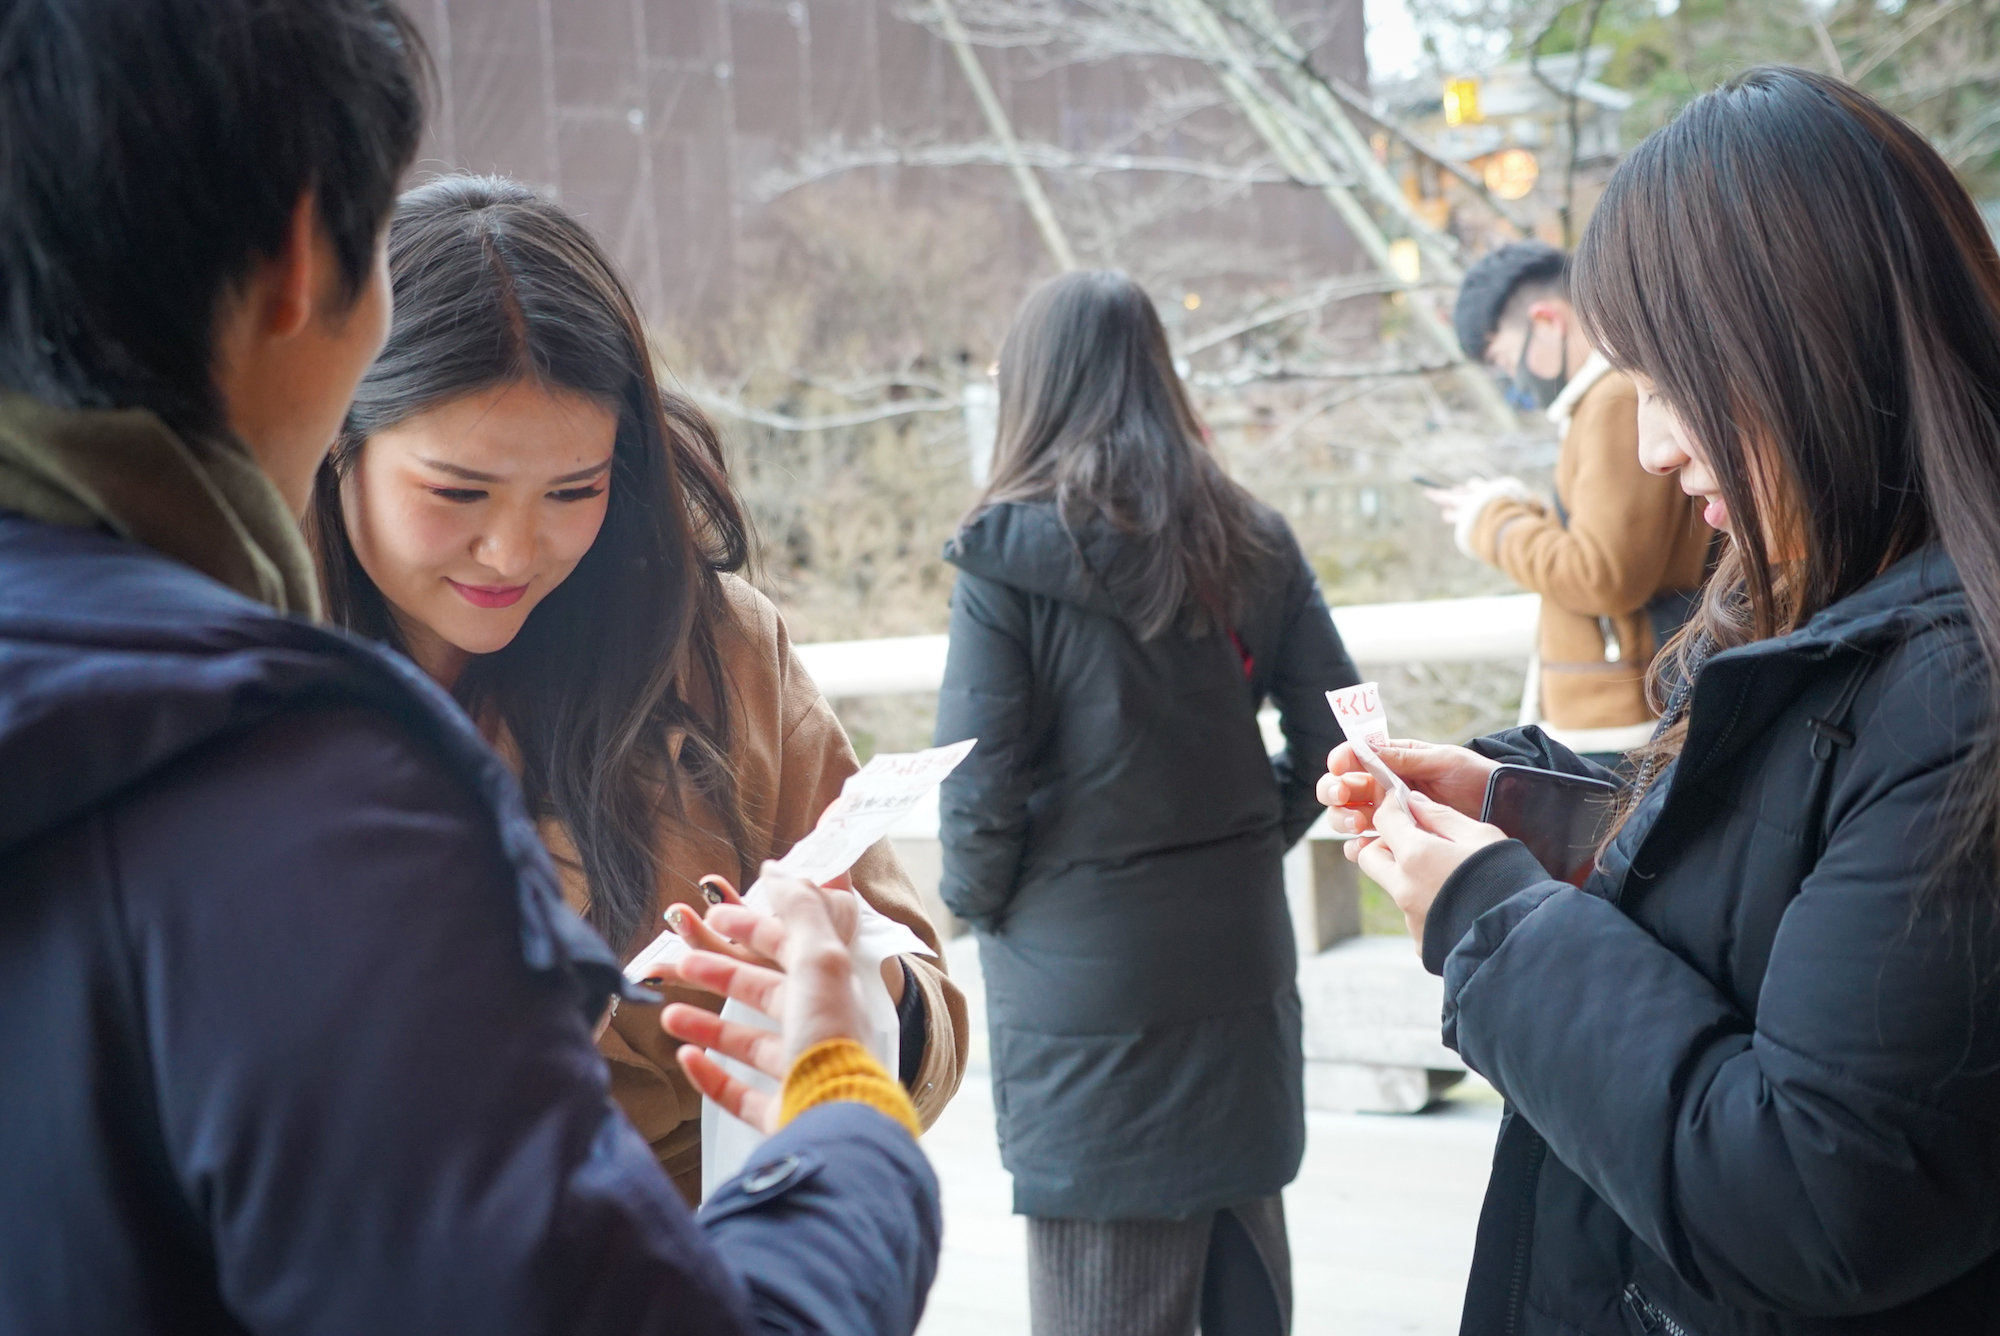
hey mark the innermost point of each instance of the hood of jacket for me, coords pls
(1024, 544)
(116, 661)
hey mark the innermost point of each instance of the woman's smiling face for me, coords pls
(466, 516)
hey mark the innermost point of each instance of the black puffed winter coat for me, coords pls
(1753, 1066)
(1116, 839)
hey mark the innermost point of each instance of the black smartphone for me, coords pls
(1561, 818)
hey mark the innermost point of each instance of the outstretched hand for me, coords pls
(808, 987)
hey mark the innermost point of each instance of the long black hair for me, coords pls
(1814, 293)
(494, 284)
(1093, 416)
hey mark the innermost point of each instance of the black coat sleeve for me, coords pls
(1531, 746)
(385, 1121)
(1310, 661)
(1839, 1152)
(988, 694)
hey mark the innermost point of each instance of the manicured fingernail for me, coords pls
(712, 891)
(677, 918)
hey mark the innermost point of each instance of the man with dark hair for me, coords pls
(1621, 554)
(298, 1030)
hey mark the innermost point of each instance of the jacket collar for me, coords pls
(1594, 369)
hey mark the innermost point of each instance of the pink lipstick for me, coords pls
(488, 596)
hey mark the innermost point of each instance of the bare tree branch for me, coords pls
(1320, 294)
(1966, 144)
(832, 160)
(1300, 59)
(1828, 52)
(1901, 38)
(1251, 370)
(742, 412)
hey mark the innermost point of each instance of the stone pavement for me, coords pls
(1381, 1217)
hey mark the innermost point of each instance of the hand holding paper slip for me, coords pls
(1366, 724)
(873, 799)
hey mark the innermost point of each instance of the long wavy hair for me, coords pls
(1805, 282)
(495, 284)
(1093, 417)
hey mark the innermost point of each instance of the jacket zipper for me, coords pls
(1524, 1234)
(1651, 1316)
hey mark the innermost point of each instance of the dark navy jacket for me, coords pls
(294, 1026)
(1753, 1066)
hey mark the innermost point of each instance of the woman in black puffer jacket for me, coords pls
(1753, 1065)
(1116, 837)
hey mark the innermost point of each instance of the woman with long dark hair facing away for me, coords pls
(517, 504)
(1122, 611)
(1753, 1063)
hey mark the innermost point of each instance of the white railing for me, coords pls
(1447, 630)
(1370, 1010)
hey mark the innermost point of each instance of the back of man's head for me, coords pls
(1493, 283)
(152, 151)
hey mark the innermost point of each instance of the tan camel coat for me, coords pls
(1629, 536)
(791, 757)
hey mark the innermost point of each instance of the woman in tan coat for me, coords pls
(517, 505)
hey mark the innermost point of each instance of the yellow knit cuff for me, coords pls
(840, 1069)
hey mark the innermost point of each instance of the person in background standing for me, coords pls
(1123, 609)
(1619, 558)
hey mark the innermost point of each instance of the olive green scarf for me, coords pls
(201, 501)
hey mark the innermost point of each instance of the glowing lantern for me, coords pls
(1405, 260)
(1511, 173)
(1461, 102)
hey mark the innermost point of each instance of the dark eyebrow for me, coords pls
(474, 475)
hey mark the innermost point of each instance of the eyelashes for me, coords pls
(465, 496)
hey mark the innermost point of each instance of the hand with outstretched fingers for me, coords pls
(1415, 851)
(1454, 776)
(808, 988)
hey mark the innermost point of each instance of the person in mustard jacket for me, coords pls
(1619, 555)
(516, 504)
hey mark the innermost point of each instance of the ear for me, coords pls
(287, 284)
(1551, 312)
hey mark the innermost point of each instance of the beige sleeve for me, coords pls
(1623, 521)
(817, 759)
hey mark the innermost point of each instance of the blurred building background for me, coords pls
(679, 126)
(829, 228)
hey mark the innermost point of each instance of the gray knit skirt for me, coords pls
(1226, 1273)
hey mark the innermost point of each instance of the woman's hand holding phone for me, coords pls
(1412, 852)
(807, 986)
